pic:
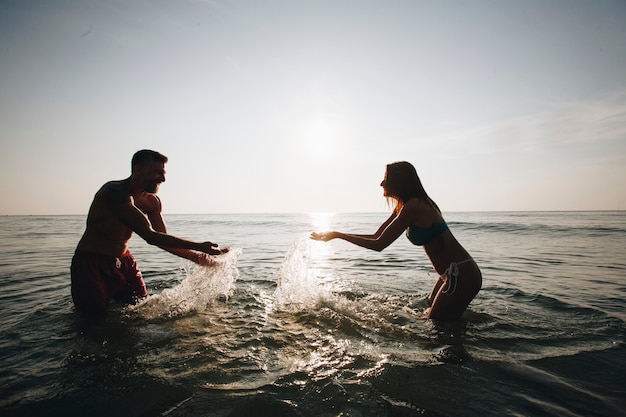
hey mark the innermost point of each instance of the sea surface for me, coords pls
(286, 326)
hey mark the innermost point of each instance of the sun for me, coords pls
(319, 137)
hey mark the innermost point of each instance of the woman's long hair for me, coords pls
(402, 184)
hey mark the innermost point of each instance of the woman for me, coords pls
(414, 212)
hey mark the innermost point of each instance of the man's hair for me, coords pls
(146, 155)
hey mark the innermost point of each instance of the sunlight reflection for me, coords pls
(320, 252)
(320, 221)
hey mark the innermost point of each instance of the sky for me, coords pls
(298, 106)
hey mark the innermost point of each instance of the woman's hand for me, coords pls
(324, 236)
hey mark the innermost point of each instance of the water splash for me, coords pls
(196, 292)
(298, 285)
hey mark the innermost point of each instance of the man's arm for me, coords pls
(158, 223)
(136, 221)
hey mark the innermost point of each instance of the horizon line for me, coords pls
(331, 212)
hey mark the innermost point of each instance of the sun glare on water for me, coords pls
(320, 221)
(321, 252)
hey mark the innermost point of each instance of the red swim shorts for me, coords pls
(98, 278)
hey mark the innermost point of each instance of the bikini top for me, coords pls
(424, 235)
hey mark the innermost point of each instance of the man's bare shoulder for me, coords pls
(148, 203)
(113, 193)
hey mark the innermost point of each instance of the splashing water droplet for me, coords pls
(196, 292)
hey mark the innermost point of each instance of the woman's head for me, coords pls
(402, 183)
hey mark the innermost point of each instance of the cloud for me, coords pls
(567, 126)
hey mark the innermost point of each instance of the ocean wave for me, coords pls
(314, 329)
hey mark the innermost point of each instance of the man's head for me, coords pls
(149, 169)
(146, 155)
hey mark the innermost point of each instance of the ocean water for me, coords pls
(285, 326)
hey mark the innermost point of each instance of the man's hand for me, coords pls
(204, 259)
(212, 248)
(207, 258)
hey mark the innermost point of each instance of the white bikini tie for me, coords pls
(452, 274)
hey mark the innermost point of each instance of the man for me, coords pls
(102, 267)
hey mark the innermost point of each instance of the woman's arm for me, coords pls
(386, 234)
(381, 229)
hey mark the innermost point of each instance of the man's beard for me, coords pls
(151, 187)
